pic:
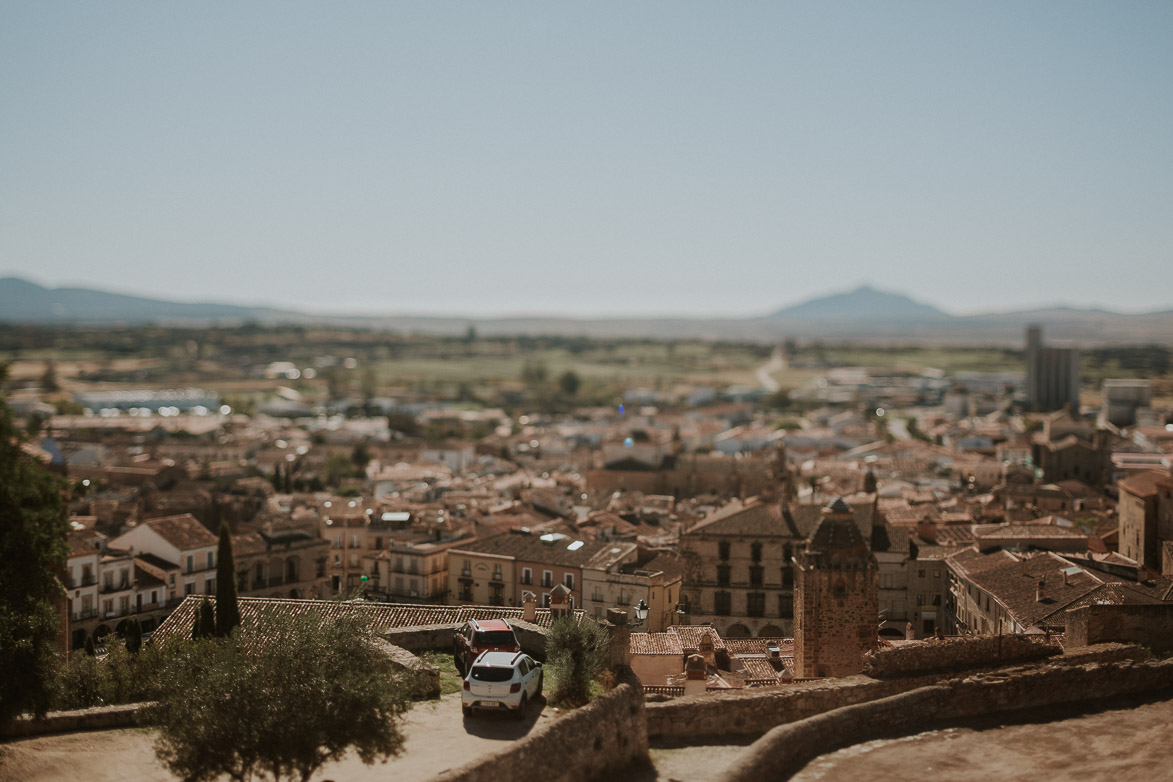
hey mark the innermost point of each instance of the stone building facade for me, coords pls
(836, 597)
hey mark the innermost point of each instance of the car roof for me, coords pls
(499, 659)
(491, 624)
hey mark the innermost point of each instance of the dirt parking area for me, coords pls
(437, 738)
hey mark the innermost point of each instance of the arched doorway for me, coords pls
(770, 631)
(100, 632)
(891, 634)
(78, 639)
(738, 631)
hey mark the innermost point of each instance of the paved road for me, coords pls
(766, 371)
(438, 738)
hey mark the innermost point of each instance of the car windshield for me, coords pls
(495, 638)
(485, 674)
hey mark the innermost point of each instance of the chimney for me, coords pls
(1040, 590)
(1065, 582)
(529, 607)
(695, 679)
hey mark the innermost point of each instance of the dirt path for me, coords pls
(438, 738)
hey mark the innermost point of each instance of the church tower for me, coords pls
(836, 597)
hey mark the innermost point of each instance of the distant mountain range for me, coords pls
(864, 314)
(863, 303)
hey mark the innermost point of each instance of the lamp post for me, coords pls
(641, 611)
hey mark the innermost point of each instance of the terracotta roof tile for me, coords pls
(184, 532)
(377, 616)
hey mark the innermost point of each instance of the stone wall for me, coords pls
(1148, 625)
(426, 638)
(531, 637)
(787, 748)
(97, 718)
(426, 677)
(749, 713)
(604, 737)
(422, 638)
(953, 654)
(752, 712)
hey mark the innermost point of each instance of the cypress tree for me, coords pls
(195, 624)
(90, 646)
(227, 610)
(207, 619)
(134, 636)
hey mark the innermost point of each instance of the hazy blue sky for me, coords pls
(590, 158)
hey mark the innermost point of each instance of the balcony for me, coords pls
(89, 613)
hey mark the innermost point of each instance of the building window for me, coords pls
(598, 595)
(466, 571)
(568, 580)
(722, 575)
(190, 563)
(496, 572)
(527, 575)
(756, 551)
(723, 549)
(545, 600)
(755, 575)
(785, 606)
(189, 588)
(787, 553)
(787, 576)
(211, 559)
(722, 603)
(547, 578)
(466, 591)
(755, 604)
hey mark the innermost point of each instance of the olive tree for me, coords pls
(277, 700)
(578, 653)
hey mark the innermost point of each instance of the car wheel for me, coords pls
(519, 715)
(466, 711)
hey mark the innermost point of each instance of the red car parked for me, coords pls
(482, 635)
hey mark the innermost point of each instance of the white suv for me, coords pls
(502, 681)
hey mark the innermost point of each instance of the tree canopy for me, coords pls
(33, 550)
(277, 700)
(578, 654)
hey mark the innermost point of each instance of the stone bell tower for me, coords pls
(836, 597)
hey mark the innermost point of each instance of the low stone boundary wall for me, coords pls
(428, 638)
(97, 718)
(421, 638)
(1149, 625)
(752, 713)
(787, 748)
(427, 677)
(954, 654)
(606, 736)
(531, 637)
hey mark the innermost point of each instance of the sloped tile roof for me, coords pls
(183, 531)
(377, 616)
(656, 643)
